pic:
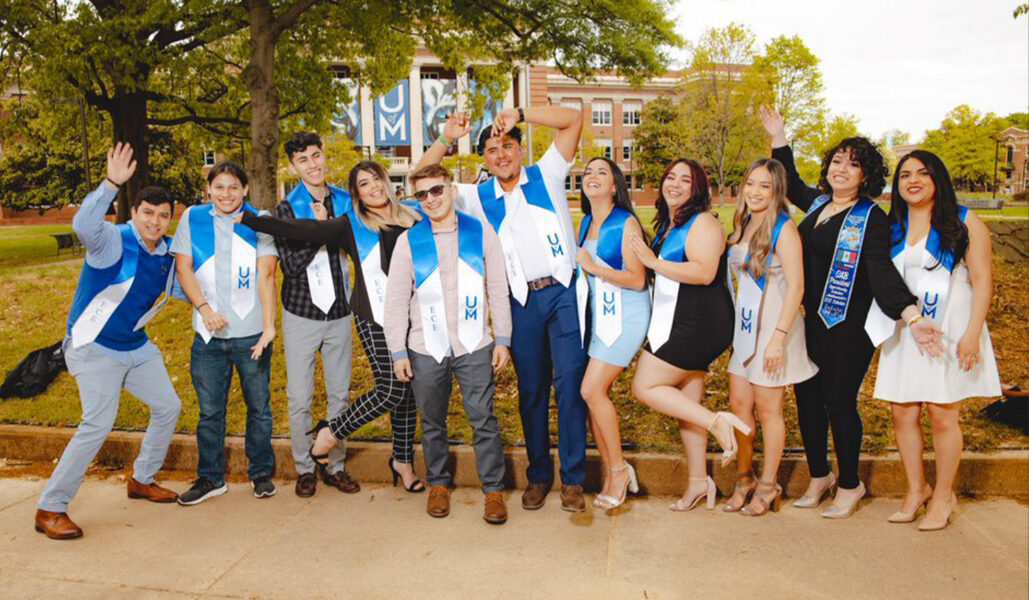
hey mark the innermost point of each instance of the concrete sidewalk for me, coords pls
(379, 543)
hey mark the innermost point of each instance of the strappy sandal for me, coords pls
(746, 490)
(760, 503)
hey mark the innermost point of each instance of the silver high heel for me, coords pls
(631, 485)
(734, 423)
(681, 506)
(812, 501)
(838, 511)
(904, 517)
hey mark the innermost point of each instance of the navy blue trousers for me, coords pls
(546, 349)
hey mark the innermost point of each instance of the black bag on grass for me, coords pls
(34, 373)
(1011, 410)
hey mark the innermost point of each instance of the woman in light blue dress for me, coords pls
(619, 307)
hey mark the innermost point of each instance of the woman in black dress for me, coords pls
(691, 321)
(853, 173)
(368, 234)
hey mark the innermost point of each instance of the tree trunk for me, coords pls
(129, 118)
(264, 125)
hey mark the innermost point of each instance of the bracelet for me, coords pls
(109, 180)
(521, 115)
(443, 141)
(201, 306)
(914, 320)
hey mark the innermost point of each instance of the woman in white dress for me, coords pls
(769, 350)
(943, 251)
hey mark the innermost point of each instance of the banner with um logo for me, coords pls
(393, 117)
(347, 119)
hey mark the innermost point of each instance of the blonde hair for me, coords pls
(398, 215)
(761, 242)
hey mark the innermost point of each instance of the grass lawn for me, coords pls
(34, 303)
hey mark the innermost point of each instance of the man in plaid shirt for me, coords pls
(315, 313)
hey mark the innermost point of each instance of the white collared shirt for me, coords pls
(531, 250)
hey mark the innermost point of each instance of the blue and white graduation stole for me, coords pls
(370, 256)
(666, 290)
(559, 255)
(839, 285)
(749, 294)
(244, 264)
(98, 312)
(471, 295)
(607, 300)
(933, 285)
(319, 275)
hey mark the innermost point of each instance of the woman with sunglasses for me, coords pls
(368, 235)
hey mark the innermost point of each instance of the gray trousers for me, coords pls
(301, 340)
(432, 384)
(100, 375)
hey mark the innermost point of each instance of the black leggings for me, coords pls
(829, 399)
(389, 395)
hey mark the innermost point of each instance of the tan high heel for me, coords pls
(928, 525)
(761, 504)
(681, 506)
(746, 490)
(734, 423)
(904, 517)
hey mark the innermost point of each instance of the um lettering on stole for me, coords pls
(608, 302)
(555, 244)
(746, 320)
(471, 308)
(929, 306)
(243, 280)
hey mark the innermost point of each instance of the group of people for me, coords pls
(467, 278)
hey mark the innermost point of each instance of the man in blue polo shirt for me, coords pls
(127, 267)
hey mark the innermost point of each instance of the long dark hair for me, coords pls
(399, 214)
(699, 201)
(621, 198)
(873, 168)
(952, 230)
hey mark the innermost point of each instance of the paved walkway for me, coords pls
(380, 544)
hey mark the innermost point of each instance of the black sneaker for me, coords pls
(263, 487)
(202, 489)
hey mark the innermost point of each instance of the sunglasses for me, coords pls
(436, 190)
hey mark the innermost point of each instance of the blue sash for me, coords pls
(365, 237)
(898, 236)
(776, 230)
(423, 246)
(534, 190)
(674, 246)
(609, 238)
(840, 283)
(300, 200)
(201, 232)
(666, 290)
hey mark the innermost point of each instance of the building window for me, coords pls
(568, 183)
(576, 104)
(631, 113)
(578, 182)
(639, 182)
(605, 145)
(601, 113)
(429, 75)
(208, 158)
(1011, 155)
(627, 148)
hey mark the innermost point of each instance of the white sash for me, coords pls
(749, 295)
(243, 251)
(666, 291)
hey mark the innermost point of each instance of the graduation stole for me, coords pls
(471, 295)
(933, 285)
(547, 225)
(749, 294)
(244, 264)
(319, 276)
(607, 300)
(840, 283)
(666, 290)
(102, 306)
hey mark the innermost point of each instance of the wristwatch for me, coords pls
(521, 115)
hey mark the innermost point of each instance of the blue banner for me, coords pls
(489, 112)
(347, 121)
(439, 98)
(393, 117)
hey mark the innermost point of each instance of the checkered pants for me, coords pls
(389, 395)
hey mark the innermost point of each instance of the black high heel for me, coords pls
(416, 487)
(320, 459)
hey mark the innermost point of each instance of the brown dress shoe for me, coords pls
(438, 504)
(306, 485)
(496, 511)
(151, 492)
(343, 482)
(56, 525)
(571, 498)
(535, 495)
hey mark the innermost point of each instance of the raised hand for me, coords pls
(774, 125)
(318, 208)
(457, 126)
(120, 165)
(504, 121)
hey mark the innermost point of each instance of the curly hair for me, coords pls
(700, 198)
(873, 168)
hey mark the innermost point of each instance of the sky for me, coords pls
(895, 64)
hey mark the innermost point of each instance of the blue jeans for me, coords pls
(210, 366)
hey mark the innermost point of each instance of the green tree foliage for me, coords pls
(791, 71)
(660, 137)
(966, 142)
(825, 134)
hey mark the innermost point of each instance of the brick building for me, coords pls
(1012, 163)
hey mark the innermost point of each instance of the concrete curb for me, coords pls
(1004, 473)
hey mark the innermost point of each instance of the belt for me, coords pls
(543, 282)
